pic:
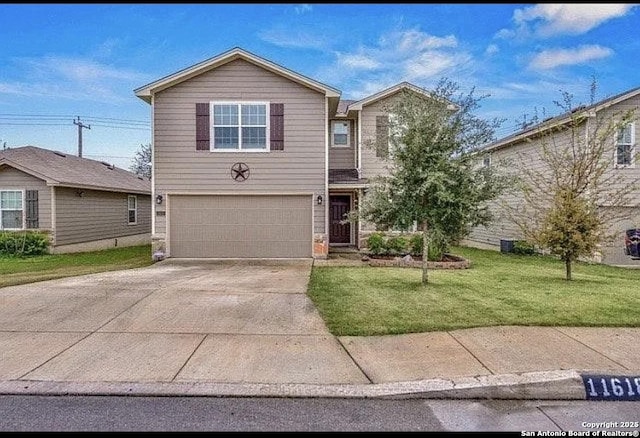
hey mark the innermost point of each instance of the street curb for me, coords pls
(545, 385)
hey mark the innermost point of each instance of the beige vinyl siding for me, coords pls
(343, 157)
(179, 168)
(14, 179)
(372, 165)
(236, 226)
(527, 152)
(97, 215)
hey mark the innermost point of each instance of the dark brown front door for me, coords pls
(339, 207)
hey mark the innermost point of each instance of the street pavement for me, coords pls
(186, 327)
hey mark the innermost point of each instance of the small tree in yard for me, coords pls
(572, 195)
(141, 163)
(433, 178)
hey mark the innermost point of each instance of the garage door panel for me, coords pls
(224, 226)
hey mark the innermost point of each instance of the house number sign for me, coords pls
(606, 387)
(240, 172)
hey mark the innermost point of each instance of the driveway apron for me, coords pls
(178, 320)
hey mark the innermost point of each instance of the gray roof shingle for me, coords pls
(59, 168)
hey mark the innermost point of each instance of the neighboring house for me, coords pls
(525, 146)
(251, 159)
(83, 204)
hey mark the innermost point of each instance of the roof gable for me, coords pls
(60, 169)
(146, 91)
(386, 93)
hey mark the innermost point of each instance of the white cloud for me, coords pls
(357, 61)
(303, 8)
(400, 55)
(72, 78)
(295, 39)
(546, 20)
(491, 49)
(549, 59)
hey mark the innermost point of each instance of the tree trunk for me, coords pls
(567, 265)
(425, 251)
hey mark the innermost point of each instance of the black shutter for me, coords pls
(31, 210)
(382, 136)
(276, 112)
(202, 127)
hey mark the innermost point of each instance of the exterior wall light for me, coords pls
(158, 199)
(319, 199)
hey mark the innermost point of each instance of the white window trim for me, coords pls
(342, 146)
(240, 149)
(135, 209)
(24, 221)
(633, 148)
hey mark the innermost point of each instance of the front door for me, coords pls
(339, 207)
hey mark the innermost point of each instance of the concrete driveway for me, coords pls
(175, 321)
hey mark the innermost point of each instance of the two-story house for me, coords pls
(251, 159)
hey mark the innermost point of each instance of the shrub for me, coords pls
(397, 245)
(416, 245)
(23, 243)
(523, 247)
(377, 244)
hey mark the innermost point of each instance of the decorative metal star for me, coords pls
(240, 172)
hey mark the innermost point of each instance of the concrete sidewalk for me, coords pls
(248, 329)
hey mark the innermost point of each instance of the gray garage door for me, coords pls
(228, 226)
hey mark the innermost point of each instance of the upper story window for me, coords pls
(240, 126)
(340, 133)
(11, 210)
(132, 207)
(625, 140)
(486, 160)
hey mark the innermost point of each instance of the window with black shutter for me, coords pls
(31, 213)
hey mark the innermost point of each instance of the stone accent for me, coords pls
(320, 246)
(158, 248)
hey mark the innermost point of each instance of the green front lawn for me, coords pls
(499, 289)
(14, 270)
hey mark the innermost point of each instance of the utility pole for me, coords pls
(80, 126)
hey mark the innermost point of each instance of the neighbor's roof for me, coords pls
(62, 169)
(146, 91)
(559, 120)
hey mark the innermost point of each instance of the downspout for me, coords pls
(359, 169)
(325, 204)
(153, 171)
(54, 228)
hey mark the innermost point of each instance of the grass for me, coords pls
(15, 270)
(499, 289)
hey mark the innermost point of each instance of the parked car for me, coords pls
(632, 243)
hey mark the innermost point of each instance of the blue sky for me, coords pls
(61, 61)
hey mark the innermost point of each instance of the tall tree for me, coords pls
(433, 176)
(141, 162)
(569, 194)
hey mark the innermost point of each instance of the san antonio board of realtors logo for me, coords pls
(240, 172)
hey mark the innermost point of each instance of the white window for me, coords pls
(132, 204)
(11, 210)
(340, 135)
(625, 140)
(240, 126)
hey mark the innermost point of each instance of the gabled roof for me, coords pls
(386, 93)
(61, 169)
(146, 91)
(560, 120)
